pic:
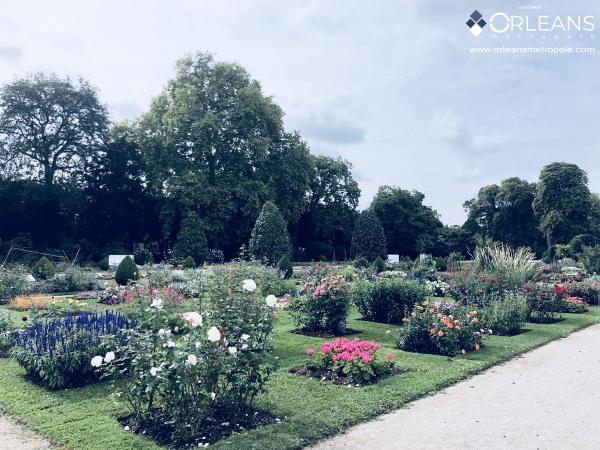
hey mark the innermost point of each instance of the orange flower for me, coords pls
(432, 331)
(440, 333)
(477, 347)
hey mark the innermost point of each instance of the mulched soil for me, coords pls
(323, 334)
(331, 377)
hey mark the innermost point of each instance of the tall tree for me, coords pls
(216, 144)
(562, 202)
(270, 239)
(49, 127)
(368, 238)
(191, 240)
(410, 226)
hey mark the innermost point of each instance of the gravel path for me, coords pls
(546, 399)
(14, 436)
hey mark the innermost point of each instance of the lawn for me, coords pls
(85, 418)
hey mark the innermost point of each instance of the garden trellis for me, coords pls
(63, 256)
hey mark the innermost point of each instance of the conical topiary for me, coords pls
(379, 264)
(368, 238)
(189, 263)
(126, 271)
(285, 266)
(43, 268)
(269, 239)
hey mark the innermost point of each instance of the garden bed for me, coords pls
(324, 334)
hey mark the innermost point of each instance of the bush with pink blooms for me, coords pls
(350, 361)
(130, 294)
(323, 305)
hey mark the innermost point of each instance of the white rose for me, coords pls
(214, 335)
(193, 318)
(96, 361)
(244, 337)
(191, 360)
(154, 371)
(110, 356)
(232, 350)
(169, 344)
(156, 303)
(249, 285)
(244, 346)
(271, 300)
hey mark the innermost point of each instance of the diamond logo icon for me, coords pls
(476, 23)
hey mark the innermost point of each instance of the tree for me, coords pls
(562, 202)
(49, 127)
(214, 143)
(410, 227)
(269, 239)
(505, 213)
(191, 240)
(368, 239)
(325, 228)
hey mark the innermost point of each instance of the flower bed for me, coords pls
(58, 352)
(348, 362)
(442, 329)
(44, 305)
(129, 294)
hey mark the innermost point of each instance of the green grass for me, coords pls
(309, 410)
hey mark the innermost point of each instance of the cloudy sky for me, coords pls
(389, 85)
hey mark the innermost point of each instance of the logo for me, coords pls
(476, 23)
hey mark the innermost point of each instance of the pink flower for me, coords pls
(310, 351)
(389, 356)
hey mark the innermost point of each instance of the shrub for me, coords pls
(437, 288)
(191, 240)
(13, 282)
(322, 305)
(386, 300)
(511, 267)
(285, 266)
(574, 305)
(268, 279)
(590, 258)
(441, 264)
(6, 334)
(142, 256)
(368, 238)
(379, 264)
(103, 264)
(132, 294)
(353, 361)
(58, 352)
(43, 268)
(189, 263)
(361, 263)
(474, 289)
(506, 315)
(424, 268)
(442, 329)
(544, 301)
(269, 240)
(585, 290)
(126, 271)
(216, 369)
(69, 278)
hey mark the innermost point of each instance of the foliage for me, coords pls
(410, 227)
(58, 352)
(269, 240)
(505, 315)
(379, 264)
(386, 300)
(285, 266)
(441, 264)
(220, 364)
(191, 240)
(43, 305)
(189, 263)
(511, 267)
(13, 282)
(43, 268)
(586, 290)
(268, 279)
(544, 301)
(590, 257)
(103, 264)
(441, 328)
(126, 271)
(355, 362)
(437, 288)
(368, 238)
(323, 305)
(361, 263)
(574, 305)
(6, 334)
(66, 124)
(142, 256)
(562, 202)
(70, 278)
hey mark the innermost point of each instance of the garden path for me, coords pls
(14, 436)
(546, 399)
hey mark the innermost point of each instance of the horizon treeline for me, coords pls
(204, 159)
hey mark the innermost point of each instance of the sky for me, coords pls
(390, 86)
